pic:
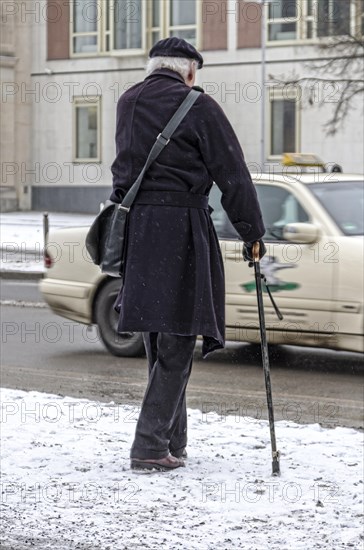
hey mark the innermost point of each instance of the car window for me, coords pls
(224, 227)
(344, 201)
(279, 207)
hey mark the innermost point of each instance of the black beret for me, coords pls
(176, 47)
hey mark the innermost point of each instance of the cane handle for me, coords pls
(256, 247)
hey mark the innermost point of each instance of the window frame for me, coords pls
(331, 22)
(74, 34)
(105, 32)
(358, 8)
(281, 94)
(102, 32)
(269, 22)
(81, 101)
(303, 18)
(170, 28)
(165, 28)
(113, 52)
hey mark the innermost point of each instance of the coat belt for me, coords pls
(172, 198)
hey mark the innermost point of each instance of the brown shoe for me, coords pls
(161, 464)
(180, 453)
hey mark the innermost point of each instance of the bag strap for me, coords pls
(162, 140)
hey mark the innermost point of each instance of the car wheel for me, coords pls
(126, 344)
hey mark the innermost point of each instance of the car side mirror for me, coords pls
(301, 233)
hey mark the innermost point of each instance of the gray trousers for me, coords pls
(162, 423)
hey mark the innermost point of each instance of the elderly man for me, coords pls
(173, 288)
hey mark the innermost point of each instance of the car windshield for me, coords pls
(344, 201)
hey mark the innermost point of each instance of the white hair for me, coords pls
(179, 65)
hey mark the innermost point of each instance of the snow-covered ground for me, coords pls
(21, 237)
(66, 483)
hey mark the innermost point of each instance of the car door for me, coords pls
(300, 276)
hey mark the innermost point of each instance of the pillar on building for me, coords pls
(16, 108)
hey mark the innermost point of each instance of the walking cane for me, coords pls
(265, 357)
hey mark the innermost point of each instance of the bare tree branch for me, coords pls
(340, 64)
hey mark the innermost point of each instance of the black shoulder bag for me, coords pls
(106, 238)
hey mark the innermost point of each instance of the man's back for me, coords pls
(143, 111)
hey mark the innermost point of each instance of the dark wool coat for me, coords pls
(174, 276)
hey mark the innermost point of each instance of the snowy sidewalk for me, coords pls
(21, 238)
(66, 483)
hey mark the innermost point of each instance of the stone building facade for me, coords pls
(64, 64)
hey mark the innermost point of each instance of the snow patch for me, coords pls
(22, 239)
(66, 482)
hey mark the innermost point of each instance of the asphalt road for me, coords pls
(13, 289)
(44, 352)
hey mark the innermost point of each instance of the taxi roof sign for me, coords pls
(300, 159)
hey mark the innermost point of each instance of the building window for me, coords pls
(87, 130)
(284, 122)
(308, 27)
(333, 17)
(128, 23)
(182, 20)
(85, 27)
(102, 26)
(282, 20)
(173, 18)
(312, 19)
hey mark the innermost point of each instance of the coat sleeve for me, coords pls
(224, 160)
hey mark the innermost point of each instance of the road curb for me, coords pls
(19, 275)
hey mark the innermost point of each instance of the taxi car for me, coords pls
(314, 268)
